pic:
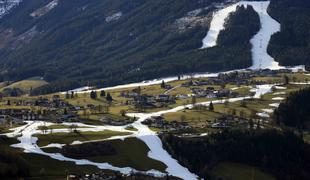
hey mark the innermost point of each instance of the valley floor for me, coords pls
(28, 134)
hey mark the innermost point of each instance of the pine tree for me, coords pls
(163, 85)
(109, 98)
(93, 95)
(285, 80)
(102, 93)
(211, 107)
(67, 95)
(65, 111)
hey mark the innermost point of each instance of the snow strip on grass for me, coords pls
(263, 115)
(149, 137)
(276, 105)
(300, 83)
(280, 87)
(268, 110)
(278, 98)
(29, 144)
(279, 93)
(261, 90)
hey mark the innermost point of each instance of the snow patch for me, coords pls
(300, 83)
(263, 115)
(114, 17)
(276, 105)
(268, 110)
(278, 98)
(280, 87)
(6, 6)
(279, 93)
(44, 10)
(261, 90)
(54, 145)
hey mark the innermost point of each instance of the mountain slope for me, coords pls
(115, 41)
(291, 46)
(7, 5)
(108, 42)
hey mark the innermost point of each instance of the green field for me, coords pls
(129, 153)
(43, 167)
(133, 153)
(193, 117)
(235, 171)
(26, 85)
(61, 126)
(68, 138)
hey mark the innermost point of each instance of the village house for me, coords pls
(182, 96)
(201, 83)
(160, 123)
(199, 92)
(114, 122)
(129, 94)
(211, 95)
(223, 93)
(144, 101)
(219, 125)
(164, 98)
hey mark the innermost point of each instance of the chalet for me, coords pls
(68, 118)
(211, 95)
(163, 98)
(114, 122)
(145, 101)
(285, 71)
(159, 122)
(78, 108)
(199, 92)
(182, 96)
(219, 125)
(201, 83)
(223, 93)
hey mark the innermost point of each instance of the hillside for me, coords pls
(294, 112)
(22, 87)
(291, 46)
(109, 42)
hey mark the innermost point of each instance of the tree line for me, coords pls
(281, 154)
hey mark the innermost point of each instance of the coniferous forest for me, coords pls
(73, 50)
(291, 46)
(294, 111)
(282, 154)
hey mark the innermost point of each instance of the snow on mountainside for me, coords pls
(261, 59)
(7, 5)
(42, 11)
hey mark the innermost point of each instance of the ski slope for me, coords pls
(269, 26)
